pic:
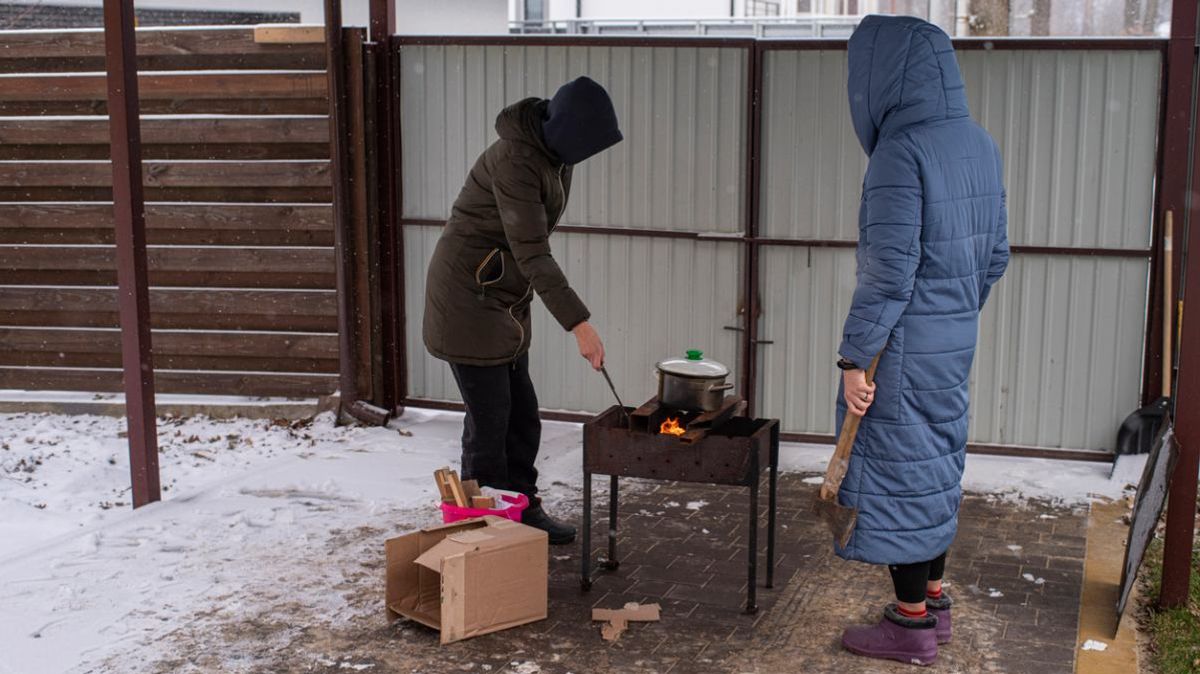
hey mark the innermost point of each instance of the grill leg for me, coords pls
(585, 578)
(774, 479)
(752, 584)
(612, 562)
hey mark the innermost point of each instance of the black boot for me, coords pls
(536, 517)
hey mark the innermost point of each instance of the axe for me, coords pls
(841, 519)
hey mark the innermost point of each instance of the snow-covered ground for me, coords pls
(263, 523)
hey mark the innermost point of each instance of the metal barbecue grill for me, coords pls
(721, 447)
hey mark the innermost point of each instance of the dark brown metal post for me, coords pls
(1181, 501)
(1171, 187)
(750, 299)
(398, 349)
(382, 20)
(343, 237)
(392, 387)
(133, 294)
(360, 222)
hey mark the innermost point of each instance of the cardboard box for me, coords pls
(469, 578)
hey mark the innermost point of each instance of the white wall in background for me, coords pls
(452, 17)
(659, 9)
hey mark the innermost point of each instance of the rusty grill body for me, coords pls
(718, 448)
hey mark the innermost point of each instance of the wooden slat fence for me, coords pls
(235, 141)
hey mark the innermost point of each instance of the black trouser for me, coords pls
(910, 579)
(502, 431)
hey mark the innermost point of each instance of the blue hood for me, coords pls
(901, 71)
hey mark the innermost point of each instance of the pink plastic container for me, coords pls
(516, 504)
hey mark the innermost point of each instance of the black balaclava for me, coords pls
(580, 121)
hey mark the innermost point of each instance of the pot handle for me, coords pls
(721, 387)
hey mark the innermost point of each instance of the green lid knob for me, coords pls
(695, 354)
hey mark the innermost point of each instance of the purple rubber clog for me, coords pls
(896, 637)
(940, 608)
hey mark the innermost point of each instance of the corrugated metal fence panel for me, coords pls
(812, 161)
(805, 300)
(1077, 130)
(1075, 322)
(428, 377)
(1059, 356)
(681, 109)
(649, 298)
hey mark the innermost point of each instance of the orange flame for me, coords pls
(671, 427)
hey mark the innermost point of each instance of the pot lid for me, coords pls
(694, 364)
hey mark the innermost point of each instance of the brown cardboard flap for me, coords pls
(506, 584)
(501, 522)
(471, 537)
(631, 612)
(412, 591)
(611, 631)
(454, 599)
(400, 552)
(473, 523)
(447, 547)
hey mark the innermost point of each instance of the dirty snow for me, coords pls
(1093, 645)
(1011, 478)
(1036, 581)
(261, 517)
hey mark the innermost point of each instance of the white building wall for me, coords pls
(452, 17)
(659, 9)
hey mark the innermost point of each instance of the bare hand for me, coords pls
(859, 394)
(590, 346)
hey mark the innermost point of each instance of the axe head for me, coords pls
(838, 518)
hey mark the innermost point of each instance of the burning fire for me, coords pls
(671, 427)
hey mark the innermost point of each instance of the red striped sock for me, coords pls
(912, 614)
(934, 594)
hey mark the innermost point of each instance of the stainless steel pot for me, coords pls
(693, 383)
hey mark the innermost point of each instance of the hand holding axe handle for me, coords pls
(841, 519)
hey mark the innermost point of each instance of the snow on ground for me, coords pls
(262, 524)
(254, 514)
(1063, 482)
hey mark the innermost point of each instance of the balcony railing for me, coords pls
(758, 26)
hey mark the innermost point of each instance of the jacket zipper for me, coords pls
(520, 328)
(479, 270)
(563, 190)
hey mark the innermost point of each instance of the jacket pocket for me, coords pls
(889, 379)
(490, 270)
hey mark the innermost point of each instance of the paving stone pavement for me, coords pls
(1015, 572)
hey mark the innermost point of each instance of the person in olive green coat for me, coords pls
(493, 255)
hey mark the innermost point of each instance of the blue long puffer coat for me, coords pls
(932, 240)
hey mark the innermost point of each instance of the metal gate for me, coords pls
(740, 171)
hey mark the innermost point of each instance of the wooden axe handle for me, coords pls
(840, 461)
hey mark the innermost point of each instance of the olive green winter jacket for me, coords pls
(494, 252)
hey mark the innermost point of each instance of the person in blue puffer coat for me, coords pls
(932, 243)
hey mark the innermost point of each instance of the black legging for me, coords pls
(501, 431)
(910, 579)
